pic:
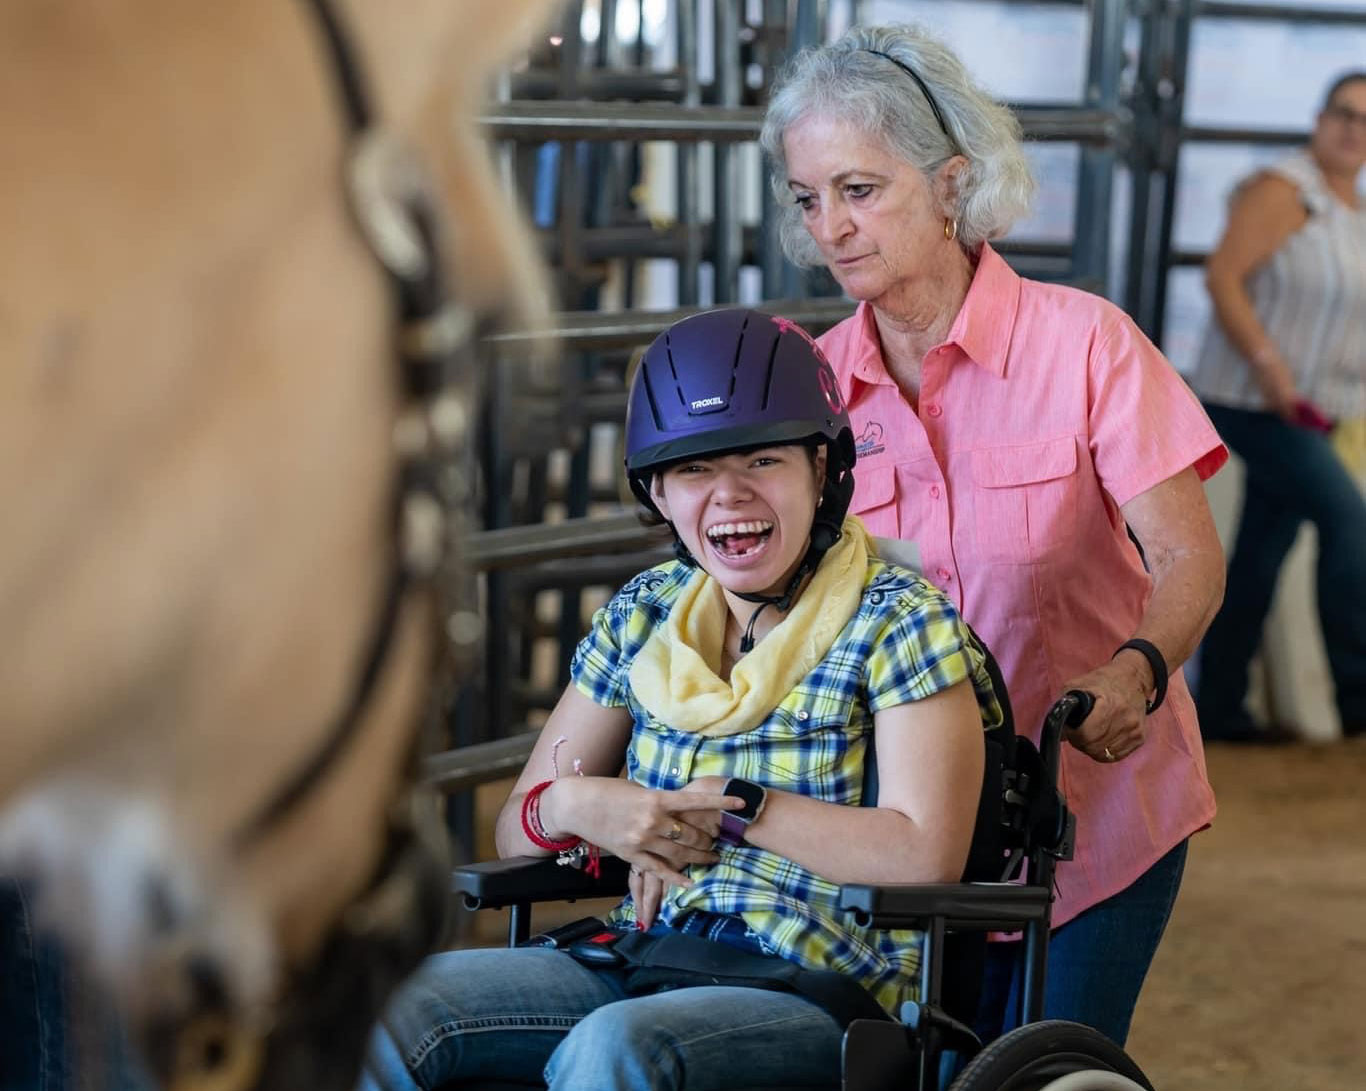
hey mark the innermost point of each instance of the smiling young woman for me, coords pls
(742, 686)
(749, 513)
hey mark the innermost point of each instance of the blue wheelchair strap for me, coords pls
(654, 961)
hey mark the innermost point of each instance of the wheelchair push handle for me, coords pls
(1074, 706)
(1068, 711)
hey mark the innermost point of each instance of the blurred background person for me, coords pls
(1283, 359)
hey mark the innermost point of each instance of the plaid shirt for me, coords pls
(904, 642)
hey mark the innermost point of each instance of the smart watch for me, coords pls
(735, 824)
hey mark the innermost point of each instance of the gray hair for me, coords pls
(846, 80)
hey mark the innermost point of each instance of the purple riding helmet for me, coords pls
(732, 379)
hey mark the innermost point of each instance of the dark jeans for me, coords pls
(1293, 474)
(54, 1034)
(33, 1047)
(1096, 961)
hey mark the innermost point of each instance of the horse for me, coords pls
(226, 505)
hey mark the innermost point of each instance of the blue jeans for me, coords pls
(534, 1017)
(1293, 475)
(55, 1032)
(33, 1023)
(1096, 961)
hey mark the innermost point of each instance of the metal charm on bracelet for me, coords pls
(574, 857)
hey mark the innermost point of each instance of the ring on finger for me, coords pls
(1109, 756)
(675, 831)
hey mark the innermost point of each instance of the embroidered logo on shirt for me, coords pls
(869, 441)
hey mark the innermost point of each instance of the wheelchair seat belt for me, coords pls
(651, 962)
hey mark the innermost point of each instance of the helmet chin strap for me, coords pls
(782, 602)
(822, 538)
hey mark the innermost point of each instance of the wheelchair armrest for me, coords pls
(969, 907)
(520, 880)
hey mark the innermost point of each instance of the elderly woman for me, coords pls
(1283, 357)
(1040, 455)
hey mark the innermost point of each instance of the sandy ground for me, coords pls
(1260, 984)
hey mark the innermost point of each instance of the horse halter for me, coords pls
(398, 918)
(435, 336)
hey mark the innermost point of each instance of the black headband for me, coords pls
(923, 90)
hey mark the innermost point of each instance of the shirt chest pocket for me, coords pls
(797, 748)
(1025, 501)
(875, 500)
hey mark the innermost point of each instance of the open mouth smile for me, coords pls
(740, 541)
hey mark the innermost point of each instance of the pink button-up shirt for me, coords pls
(1043, 412)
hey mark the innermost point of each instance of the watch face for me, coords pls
(751, 793)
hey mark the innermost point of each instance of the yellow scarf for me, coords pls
(675, 674)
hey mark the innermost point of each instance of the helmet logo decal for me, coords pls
(786, 324)
(707, 403)
(829, 384)
(830, 387)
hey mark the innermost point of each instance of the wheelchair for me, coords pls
(1023, 828)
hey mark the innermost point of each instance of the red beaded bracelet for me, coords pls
(531, 821)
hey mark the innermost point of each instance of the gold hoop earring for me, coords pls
(950, 229)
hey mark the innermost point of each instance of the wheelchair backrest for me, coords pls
(1016, 809)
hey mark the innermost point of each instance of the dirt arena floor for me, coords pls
(1260, 984)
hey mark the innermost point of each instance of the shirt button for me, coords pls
(944, 574)
(934, 410)
(934, 491)
(674, 771)
(802, 714)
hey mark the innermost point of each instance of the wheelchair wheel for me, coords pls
(1054, 1055)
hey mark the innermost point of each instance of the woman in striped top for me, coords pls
(1285, 358)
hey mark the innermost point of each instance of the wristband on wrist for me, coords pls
(531, 822)
(1159, 668)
